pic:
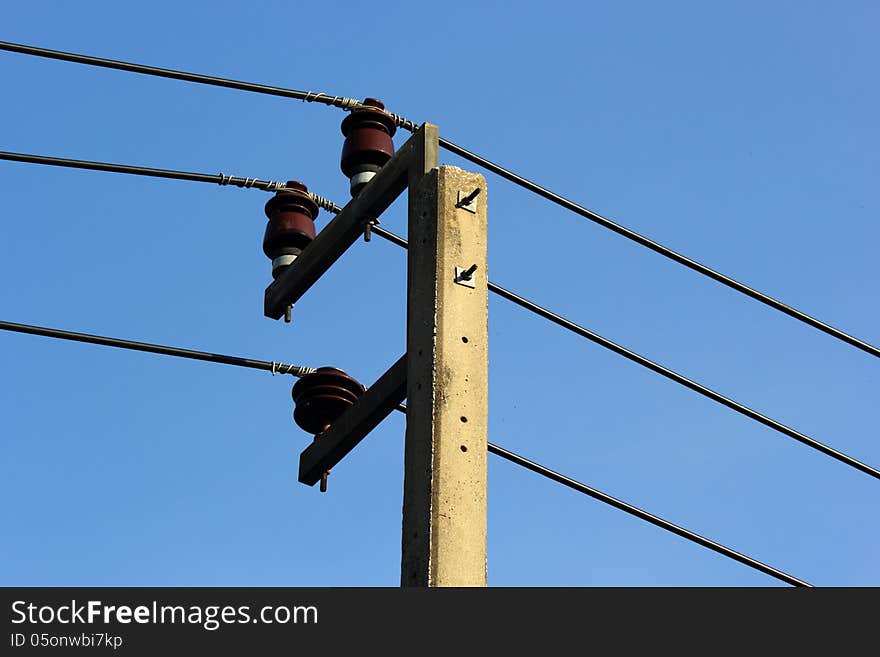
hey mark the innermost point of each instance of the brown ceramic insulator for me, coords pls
(291, 226)
(321, 397)
(368, 145)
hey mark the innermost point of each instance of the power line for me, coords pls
(274, 367)
(349, 103)
(216, 178)
(268, 366)
(222, 179)
(662, 250)
(344, 103)
(660, 369)
(337, 101)
(626, 507)
(644, 515)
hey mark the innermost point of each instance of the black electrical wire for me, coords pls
(644, 515)
(493, 449)
(662, 250)
(216, 178)
(637, 512)
(660, 369)
(268, 366)
(507, 294)
(170, 73)
(348, 103)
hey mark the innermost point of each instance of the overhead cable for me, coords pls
(349, 103)
(216, 178)
(644, 515)
(296, 370)
(660, 369)
(268, 366)
(496, 289)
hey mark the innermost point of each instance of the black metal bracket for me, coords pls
(331, 446)
(341, 232)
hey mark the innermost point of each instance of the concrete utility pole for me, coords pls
(444, 373)
(444, 498)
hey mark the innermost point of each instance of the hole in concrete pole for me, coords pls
(463, 448)
(463, 418)
(464, 339)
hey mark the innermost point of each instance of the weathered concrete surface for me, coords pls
(444, 523)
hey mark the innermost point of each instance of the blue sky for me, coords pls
(742, 135)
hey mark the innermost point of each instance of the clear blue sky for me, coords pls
(743, 135)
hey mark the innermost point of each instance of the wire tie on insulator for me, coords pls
(347, 103)
(404, 123)
(342, 102)
(295, 370)
(325, 203)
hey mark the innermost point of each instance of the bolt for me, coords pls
(287, 312)
(468, 273)
(467, 200)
